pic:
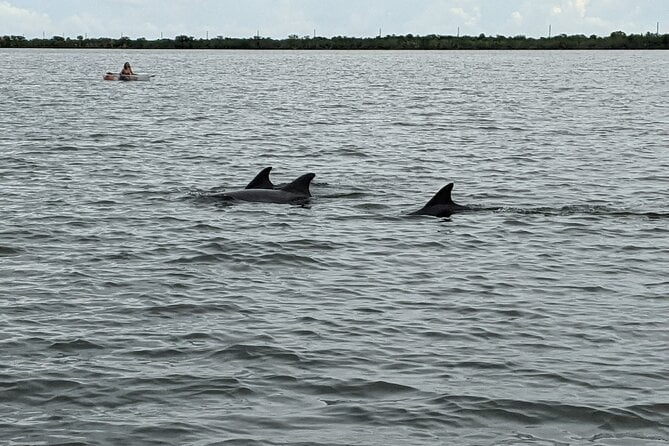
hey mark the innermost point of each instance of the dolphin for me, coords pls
(261, 181)
(296, 192)
(441, 205)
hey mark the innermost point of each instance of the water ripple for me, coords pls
(135, 309)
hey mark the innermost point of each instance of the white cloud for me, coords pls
(580, 7)
(85, 24)
(597, 22)
(458, 12)
(578, 16)
(435, 17)
(573, 8)
(279, 18)
(20, 21)
(467, 17)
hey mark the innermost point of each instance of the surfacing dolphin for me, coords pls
(441, 205)
(261, 181)
(296, 192)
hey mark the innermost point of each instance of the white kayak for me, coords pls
(126, 77)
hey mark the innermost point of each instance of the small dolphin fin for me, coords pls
(441, 197)
(300, 185)
(261, 181)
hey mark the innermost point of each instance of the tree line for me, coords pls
(616, 40)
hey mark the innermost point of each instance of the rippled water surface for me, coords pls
(135, 310)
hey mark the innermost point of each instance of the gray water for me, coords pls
(135, 310)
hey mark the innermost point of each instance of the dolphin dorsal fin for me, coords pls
(441, 197)
(261, 181)
(300, 185)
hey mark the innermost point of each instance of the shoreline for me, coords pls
(615, 41)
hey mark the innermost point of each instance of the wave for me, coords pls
(172, 310)
(8, 251)
(256, 352)
(483, 409)
(595, 210)
(359, 388)
(75, 345)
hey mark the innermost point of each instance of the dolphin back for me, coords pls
(441, 204)
(261, 181)
(301, 185)
(443, 197)
(261, 190)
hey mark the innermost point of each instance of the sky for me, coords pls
(153, 19)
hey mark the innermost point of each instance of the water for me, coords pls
(134, 310)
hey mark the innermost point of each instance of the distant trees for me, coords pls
(12, 41)
(616, 40)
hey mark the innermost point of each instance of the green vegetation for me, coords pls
(617, 40)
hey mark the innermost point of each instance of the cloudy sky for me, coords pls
(356, 18)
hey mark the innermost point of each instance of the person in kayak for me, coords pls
(127, 69)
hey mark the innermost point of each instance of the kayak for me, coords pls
(126, 77)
